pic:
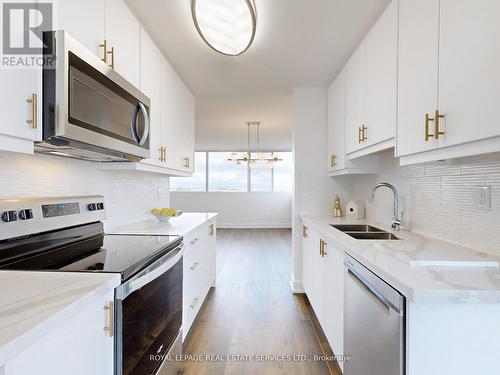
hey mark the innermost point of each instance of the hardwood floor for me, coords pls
(252, 310)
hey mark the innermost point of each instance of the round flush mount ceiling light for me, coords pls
(227, 26)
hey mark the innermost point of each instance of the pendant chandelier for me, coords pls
(247, 157)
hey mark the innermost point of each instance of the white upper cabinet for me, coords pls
(381, 78)
(84, 21)
(336, 124)
(151, 86)
(122, 34)
(371, 88)
(178, 120)
(449, 79)
(355, 99)
(418, 74)
(469, 70)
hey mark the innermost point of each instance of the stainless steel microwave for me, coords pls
(89, 111)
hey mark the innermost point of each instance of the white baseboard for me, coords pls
(296, 285)
(254, 225)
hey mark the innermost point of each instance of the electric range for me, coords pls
(67, 235)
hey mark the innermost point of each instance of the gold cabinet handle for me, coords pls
(104, 46)
(333, 161)
(437, 131)
(363, 133)
(305, 234)
(111, 316)
(195, 264)
(322, 245)
(359, 135)
(163, 154)
(160, 150)
(187, 162)
(194, 303)
(428, 120)
(34, 110)
(211, 230)
(193, 242)
(112, 53)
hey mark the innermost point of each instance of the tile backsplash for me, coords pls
(439, 201)
(128, 195)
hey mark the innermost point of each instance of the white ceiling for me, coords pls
(297, 43)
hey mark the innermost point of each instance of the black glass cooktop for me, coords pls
(84, 249)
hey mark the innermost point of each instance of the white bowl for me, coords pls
(164, 219)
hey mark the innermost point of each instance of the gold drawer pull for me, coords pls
(104, 46)
(211, 230)
(194, 303)
(305, 233)
(428, 120)
(195, 264)
(322, 245)
(112, 53)
(34, 109)
(333, 161)
(187, 162)
(437, 131)
(111, 316)
(193, 242)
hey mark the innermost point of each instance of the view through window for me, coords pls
(215, 173)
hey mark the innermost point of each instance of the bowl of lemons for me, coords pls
(165, 214)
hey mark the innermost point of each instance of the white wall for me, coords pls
(239, 210)
(128, 196)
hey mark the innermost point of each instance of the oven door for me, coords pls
(87, 105)
(149, 317)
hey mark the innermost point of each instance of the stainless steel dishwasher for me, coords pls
(374, 323)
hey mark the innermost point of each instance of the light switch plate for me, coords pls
(482, 197)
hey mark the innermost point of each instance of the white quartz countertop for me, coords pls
(32, 304)
(461, 276)
(178, 226)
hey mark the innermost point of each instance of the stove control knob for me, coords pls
(92, 206)
(26, 214)
(100, 206)
(9, 216)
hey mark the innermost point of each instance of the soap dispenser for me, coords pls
(337, 212)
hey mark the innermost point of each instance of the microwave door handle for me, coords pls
(133, 125)
(145, 134)
(151, 273)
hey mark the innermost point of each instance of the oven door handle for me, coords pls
(151, 273)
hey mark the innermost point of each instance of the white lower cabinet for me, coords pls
(199, 272)
(80, 346)
(323, 280)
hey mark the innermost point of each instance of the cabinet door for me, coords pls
(381, 77)
(83, 20)
(417, 73)
(81, 346)
(336, 124)
(307, 254)
(332, 276)
(123, 34)
(18, 85)
(469, 70)
(355, 98)
(177, 119)
(150, 85)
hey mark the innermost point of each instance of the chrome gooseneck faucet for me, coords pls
(396, 220)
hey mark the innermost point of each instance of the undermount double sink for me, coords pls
(365, 232)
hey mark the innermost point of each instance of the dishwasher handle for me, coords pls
(371, 288)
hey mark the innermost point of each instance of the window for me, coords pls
(224, 175)
(215, 173)
(261, 176)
